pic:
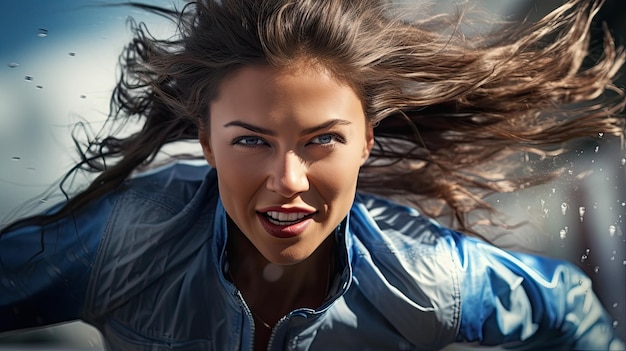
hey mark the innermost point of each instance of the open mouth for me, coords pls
(286, 219)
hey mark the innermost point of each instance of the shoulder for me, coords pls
(399, 225)
(172, 193)
(407, 262)
(165, 215)
(176, 182)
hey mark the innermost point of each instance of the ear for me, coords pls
(205, 142)
(369, 143)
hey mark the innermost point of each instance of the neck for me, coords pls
(271, 291)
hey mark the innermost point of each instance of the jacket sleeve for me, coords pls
(529, 302)
(44, 270)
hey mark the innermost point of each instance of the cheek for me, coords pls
(237, 196)
(237, 165)
(336, 179)
(238, 179)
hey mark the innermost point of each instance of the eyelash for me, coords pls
(237, 141)
(336, 138)
(260, 142)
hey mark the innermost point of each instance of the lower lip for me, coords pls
(283, 231)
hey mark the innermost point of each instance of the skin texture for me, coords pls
(289, 140)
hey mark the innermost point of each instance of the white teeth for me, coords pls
(285, 217)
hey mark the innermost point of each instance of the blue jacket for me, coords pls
(145, 265)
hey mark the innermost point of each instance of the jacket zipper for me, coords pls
(276, 326)
(250, 318)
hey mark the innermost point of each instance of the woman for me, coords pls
(271, 246)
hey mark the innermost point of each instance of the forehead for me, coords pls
(294, 96)
(304, 77)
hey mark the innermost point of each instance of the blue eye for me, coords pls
(248, 141)
(325, 139)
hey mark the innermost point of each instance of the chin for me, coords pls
(288, 260)
(289, 256)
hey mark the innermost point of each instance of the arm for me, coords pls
(44, 270)
(529, 301)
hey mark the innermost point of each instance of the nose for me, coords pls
(288, 175)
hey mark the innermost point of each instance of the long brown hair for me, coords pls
(449, 109)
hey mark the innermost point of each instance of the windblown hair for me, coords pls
(449, 109)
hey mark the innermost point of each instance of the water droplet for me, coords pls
(71, 53)
(583, 258)
(16, 158)
(42, 32)
(28, 78)
(13, 64)
(596, 269)
(43, 201)
(40, 87)
(83, 96)
(624, 162)
(581, 212)
(597, 149)
(600, 135)
(612, 230)
(615, 305)
(563, 233)
(564, 208)
(615, 324)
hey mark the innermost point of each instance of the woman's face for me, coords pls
(287, 145)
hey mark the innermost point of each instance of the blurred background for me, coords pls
(58, 65)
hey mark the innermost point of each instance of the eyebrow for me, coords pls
(306, 131)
